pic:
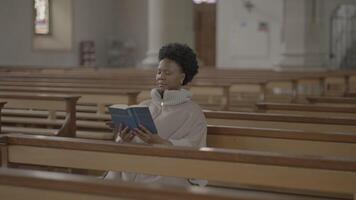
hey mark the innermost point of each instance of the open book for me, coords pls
(132, 116)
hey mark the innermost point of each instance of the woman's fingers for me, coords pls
(127, 137)
(141, 134)
(109, 124)
(144, 129)
(123, 132)
(131, 137)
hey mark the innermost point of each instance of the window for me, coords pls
(42, 17)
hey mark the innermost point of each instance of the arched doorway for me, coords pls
(343, 37)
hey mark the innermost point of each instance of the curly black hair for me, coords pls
(184, 56)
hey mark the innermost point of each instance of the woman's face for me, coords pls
(169, 75)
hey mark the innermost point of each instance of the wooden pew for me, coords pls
(196, 88)
(294, 174)
(50, 103)
(1, 106)
(117, 86)
(99, 97)
(350, 94)
(332, 100)
(207, 78)
(16, 184)
(237, 137)
(283, 121)
(217, 78)
(307, 109)
(310, 140)
(282, 141)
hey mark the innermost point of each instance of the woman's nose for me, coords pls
(160, 76)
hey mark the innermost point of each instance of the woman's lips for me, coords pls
(161, 84)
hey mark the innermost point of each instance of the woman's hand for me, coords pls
(145, 135)
(121, 133)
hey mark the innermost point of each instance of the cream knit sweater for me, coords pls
(179, 120)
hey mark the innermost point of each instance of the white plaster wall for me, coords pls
(16, 38)
(93, 19)
(239, 42)
(131, 24)
(61, 37)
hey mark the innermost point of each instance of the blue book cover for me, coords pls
(132, 116)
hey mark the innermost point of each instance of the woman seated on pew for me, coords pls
(179, 121)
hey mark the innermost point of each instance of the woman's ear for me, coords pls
(182, 79)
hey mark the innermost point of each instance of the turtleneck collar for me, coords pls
(170, 97)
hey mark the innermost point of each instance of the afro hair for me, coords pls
(184, 56)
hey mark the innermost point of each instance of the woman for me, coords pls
(179, 121)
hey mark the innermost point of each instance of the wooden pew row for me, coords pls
(282, 141)
(101, 97)
(204, 73)
(2, 103)
(282, 121)
(237, 137)
(211, 74)
(304, 134)
(49, 103)
(115, 86)
(223, 89)
(210, 95)
(215, 82)
(16, 184)
(98, 97)
(293, 174)
(237, 77)
(350, 94)
(265, 139)
(308, 109)
(211, 81)
(329, 80)
(324, 85)
(267, 120)
(331, 100)
(221, 75)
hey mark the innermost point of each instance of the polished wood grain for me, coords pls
(66, 186)
(51, 103)
(307, 173)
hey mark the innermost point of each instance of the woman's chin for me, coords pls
(161, 88)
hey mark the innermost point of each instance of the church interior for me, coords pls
(251, 99)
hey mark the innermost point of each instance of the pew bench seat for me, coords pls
(59, 114)
(332, 100)
(52, 132)
(317, 175)
(17, 184)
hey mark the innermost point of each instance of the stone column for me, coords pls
(168, 21)
(302, 34)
